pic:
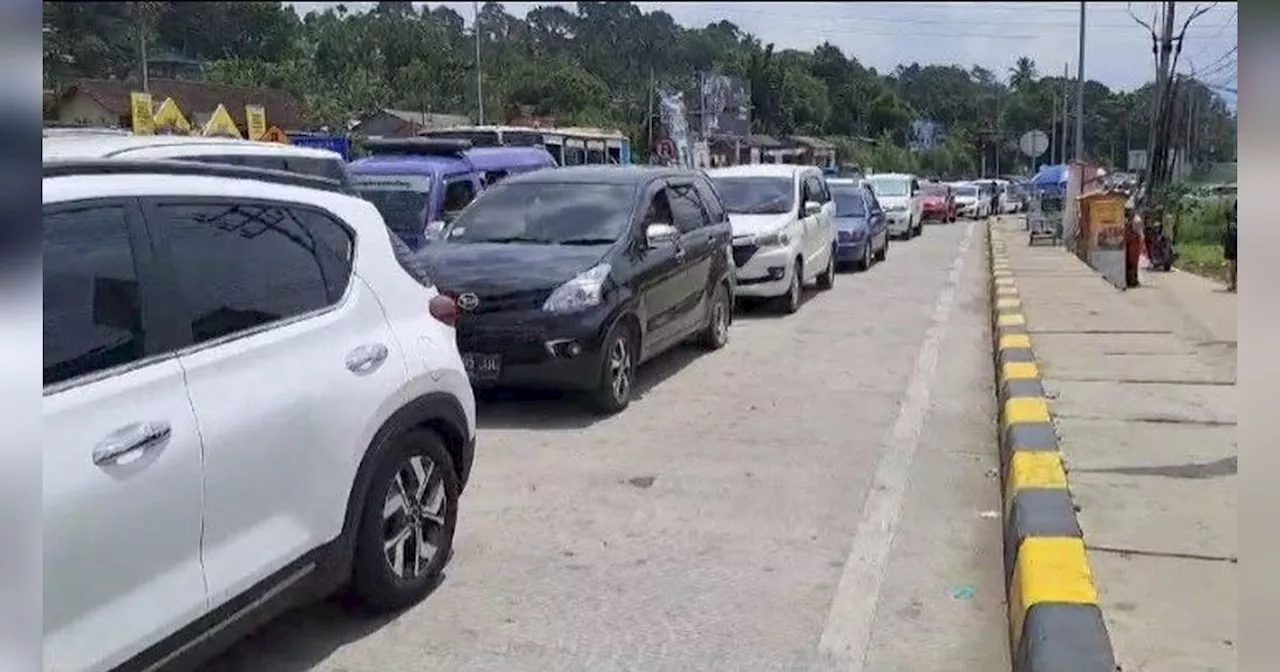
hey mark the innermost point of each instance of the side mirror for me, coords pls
(812, 208)
(661, 234)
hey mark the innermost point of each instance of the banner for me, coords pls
(140, 107)
(255, 117)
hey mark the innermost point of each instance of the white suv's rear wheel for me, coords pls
(407, 523)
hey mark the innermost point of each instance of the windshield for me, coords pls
(891, 188)
(756, 195)
(848, 202)
(970, 192)
(547, 213)
(401, 199)
(934, 189)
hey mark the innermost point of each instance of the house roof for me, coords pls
(429, 119)
(283, 109)
(811, 142)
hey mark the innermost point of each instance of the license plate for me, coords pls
(482, 367)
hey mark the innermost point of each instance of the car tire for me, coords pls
(418, 465)
(864, 264)
(828, 278)
(719, 315)
(884, 249)
(789, 303)
(618, 361)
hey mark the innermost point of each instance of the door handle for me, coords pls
(366, 358)
(679, 253)
(130, 439)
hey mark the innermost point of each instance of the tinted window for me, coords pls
(710, 200)
(240, 266)
(92, 307)
(402, 200)
(543, 212)
(457, 195)
(849, 202)
(934, 189)
(967, 191)
(756, 195)
(329, 168)
(686, 208)
(813, 190)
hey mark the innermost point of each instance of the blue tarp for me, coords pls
(1051, 181)
(334, 143)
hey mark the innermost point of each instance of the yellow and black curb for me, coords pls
(1055, 624)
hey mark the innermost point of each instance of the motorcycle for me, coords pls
(1160, 252)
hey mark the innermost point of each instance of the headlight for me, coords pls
(584, 291)
(775, 239)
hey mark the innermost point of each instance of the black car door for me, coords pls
(657, 273)
(690, 217)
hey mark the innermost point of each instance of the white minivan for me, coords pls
(784, 232)
(899, 195)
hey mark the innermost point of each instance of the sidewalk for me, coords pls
(1142, 390)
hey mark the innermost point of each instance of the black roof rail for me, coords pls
(419, 146)
(70, 167)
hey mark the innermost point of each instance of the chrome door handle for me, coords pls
(366, 358)
(130, 439)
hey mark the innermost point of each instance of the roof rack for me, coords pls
(418, 146)
(70, 167)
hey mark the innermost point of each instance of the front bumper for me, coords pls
(852, 252)
(537, 349)
(899, 222)
(936, 215)
(762, 271)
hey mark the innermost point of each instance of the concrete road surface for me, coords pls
(820, 494)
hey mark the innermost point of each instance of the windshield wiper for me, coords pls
(510, 239)
(586, 241)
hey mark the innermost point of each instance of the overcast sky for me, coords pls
(991, 34)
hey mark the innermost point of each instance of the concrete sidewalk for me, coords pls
(1142, 389)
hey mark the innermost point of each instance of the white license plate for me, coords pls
(482, 367)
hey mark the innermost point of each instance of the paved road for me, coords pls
(818, 495)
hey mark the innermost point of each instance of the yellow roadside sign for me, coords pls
(274, 134)
(255, 121)
(140, 107)
(169, 119)
(221, 124)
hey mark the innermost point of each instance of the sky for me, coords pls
(993, 35)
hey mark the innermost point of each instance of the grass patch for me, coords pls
(1202, 259)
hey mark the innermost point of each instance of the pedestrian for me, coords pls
(1229, 248)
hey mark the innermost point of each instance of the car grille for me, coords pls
(496, 303)
(743, 253)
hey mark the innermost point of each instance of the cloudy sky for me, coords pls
(991, 34)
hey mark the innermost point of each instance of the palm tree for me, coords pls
(1023, 74)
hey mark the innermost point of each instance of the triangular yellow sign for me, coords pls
(274, 134)
(221, 123)
(169, 119)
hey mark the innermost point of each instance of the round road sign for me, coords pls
(1033, 143)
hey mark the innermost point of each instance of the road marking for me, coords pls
(847, 632)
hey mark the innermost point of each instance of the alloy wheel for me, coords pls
(620, 369)
(413, 517)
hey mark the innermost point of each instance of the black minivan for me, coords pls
(571, 278)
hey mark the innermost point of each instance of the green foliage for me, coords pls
(593, 66)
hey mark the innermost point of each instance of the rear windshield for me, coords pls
(401, 199)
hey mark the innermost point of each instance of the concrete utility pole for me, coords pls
(140, 19)
(1080, 91)
(1066, 95)
(479, 71)
(1053, 130)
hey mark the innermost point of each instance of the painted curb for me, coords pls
(1055, 623)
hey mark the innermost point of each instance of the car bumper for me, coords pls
(970, 210)
(899, 222)
(935, 215)
(852, 252)
(537, 349)
(762, 272)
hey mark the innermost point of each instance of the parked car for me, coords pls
(113, 144)
(937, 202)
(899, 195)
(251, 398)
(862, 230)
(572, 278)
(969, 201)
(420, 184)
(784, 231)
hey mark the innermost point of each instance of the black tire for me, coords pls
(884, 250)
(719, 315)
(618, 361)
(828, 278)
(375, 581)
(864, 264)
(789, 303)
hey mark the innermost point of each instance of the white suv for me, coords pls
(784, 232)
(252, 396)
(899, 195)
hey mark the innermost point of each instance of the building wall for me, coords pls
(81, 109)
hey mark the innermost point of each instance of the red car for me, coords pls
(938, 202)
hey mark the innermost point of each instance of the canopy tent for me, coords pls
(1051, 180)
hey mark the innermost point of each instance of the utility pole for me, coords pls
(1053, 130)
(996, 141)
(140, 21)
(652, 88)
(1066, 95)
(1080, 90)
(479, 71)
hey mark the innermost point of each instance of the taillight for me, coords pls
(444, 309)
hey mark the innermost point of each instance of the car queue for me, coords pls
(271, 355)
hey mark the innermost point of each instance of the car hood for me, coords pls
(489, 269)
(966, 199)
(752, 225)
(851, 223)
(894, 201)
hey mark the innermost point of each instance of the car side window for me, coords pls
(92, 297)
(813, 190)
(239, 266)
(915, 186)
(711, 200)
(687, 212)
(824, 193)
(873, 205)
(457, 194)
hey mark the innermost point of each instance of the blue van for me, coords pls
(419, 184)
